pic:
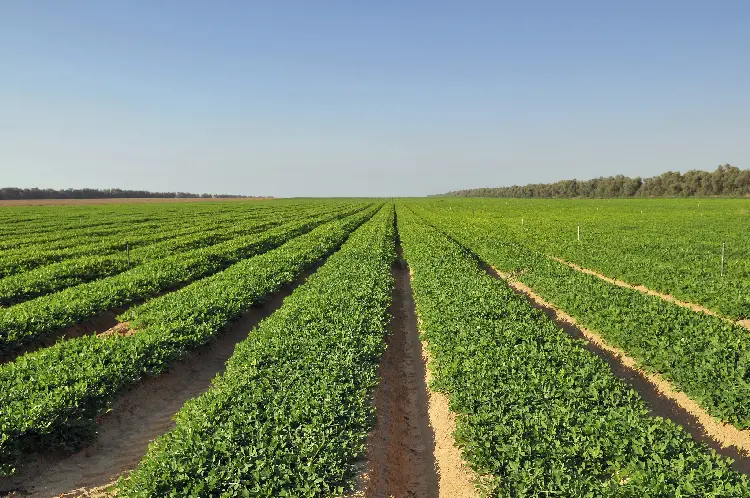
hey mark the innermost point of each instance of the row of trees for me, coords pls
(11, 193)
(727, 180)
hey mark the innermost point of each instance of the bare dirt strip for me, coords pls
(662, 397)
(410, 451)
(455, 478)
(96, 325)
(651, 292)
(138, 416)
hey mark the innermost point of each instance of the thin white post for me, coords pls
(579, 232)
(127, 252)
(723, 246)
(521, 221)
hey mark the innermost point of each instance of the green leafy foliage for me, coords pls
(27, 321)
(193, 229)
(49, 399)
(26, 254)
(73, 271)
(538, 415)
(703, 355)
(669, 245)
(292, 410)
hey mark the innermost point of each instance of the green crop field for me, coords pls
(303, 347)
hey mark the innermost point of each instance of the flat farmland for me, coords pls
(376, 347)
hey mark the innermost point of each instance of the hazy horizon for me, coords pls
(388, 99)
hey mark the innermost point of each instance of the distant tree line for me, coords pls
(727, 181)
(12, 193)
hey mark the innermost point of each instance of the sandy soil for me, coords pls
(651, 292)
(96, 325)
(400, 460)
(138, 417)
(101, 324)
(122, 328)
(663, 398)
(410, 452)
(455, 478)
(133, 200)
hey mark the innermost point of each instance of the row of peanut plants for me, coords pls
(673, 246)
(58, 233)
(50, 399)
(706, 357)
(73, 271)
(291, 413)
(47, 222)
(537, 414)
(31, 320)
(16, 229)
(23, 258)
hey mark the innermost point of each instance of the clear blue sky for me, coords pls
(333, 98)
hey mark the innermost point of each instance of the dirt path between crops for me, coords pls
(663, 399)
(410, 451)
(139, 416)
(455, 478)
(96, 325)
(642, 288)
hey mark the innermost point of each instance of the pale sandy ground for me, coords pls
(411, 450)
(651, 292)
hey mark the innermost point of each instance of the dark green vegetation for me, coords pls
(538, 415)
(291, 412)
(707, 357)
(153, 236)
(670, 245)
(74, 381)
(727, 181)
(76, 270)
(33, 319)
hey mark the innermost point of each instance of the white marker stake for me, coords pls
(521, 221)
(723, 246)
(579, 232)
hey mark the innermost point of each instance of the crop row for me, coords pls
(538, 415)
(291, 413)
(672, 246)
(65, 238)
(49, 222)
(24, 259)
(704, 356)
(19, 230)
(24, 221)
(74, 271)
(120, 228)
(50, 399)
(70, 234)
(30, 320)
(70, 272)
(239, 227)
